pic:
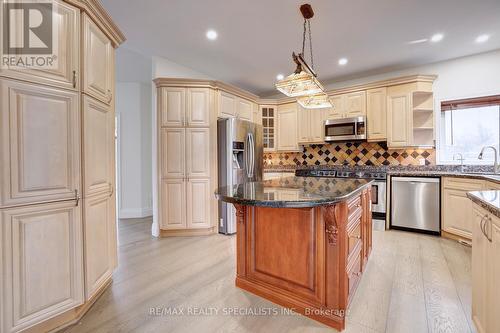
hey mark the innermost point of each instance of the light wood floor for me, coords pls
(413, 283)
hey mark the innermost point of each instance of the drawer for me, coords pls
(354, 275)
(464, 184)
(354, 206)
(353, 238)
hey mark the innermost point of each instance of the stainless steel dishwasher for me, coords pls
(415, 204)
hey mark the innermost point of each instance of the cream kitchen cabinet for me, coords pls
(42, 266)
(98, 62)
(244, 109)
(398, 120)
(233, 106)
(197, 204)
(456, 207)
(184, 107)
(287, 127)
(197, 153)
(376, 114)
(268, 119)
(65, 71)
(337, 109)
(40, 146)
(485, 270)
(310, 125)
(99, 221)
(348, 105)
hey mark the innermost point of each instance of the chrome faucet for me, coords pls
(495, 165)
(461, 159)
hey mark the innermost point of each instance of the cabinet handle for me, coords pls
(74, 79)
(77, 198)
(110, 96)
(489, 237)
(112, 191)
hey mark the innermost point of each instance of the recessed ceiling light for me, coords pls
(280, 77)
(343, 61)
(482, 38)
(437, 37)
(418, 41)
(212, 34)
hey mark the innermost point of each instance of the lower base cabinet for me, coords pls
(485, 271)
(100, 241)
(41, 263)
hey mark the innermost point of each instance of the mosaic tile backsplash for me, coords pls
(352, 154)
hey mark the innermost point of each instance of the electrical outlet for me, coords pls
(422, 161)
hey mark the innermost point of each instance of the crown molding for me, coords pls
(95, 10)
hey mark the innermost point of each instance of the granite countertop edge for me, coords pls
(477, 199)
(292, 204)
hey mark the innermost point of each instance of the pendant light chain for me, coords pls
(307, 28)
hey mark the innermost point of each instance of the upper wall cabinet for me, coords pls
(268, 116)
(376, 114)
(287, 130)
(184, 107)
(41, 139)
(98, 62)
(234, 106)
(310, 125)
(66, 63)
(348, 105)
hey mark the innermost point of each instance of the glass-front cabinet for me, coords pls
(268, 126)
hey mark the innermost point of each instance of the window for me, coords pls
(467, 126)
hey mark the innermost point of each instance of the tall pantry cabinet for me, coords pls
(57, 200)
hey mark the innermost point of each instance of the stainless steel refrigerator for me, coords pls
(239, 158)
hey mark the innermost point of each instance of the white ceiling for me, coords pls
(257, 37)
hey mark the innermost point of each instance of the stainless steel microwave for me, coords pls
(345, 129)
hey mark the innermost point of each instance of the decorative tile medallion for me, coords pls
(352, 154)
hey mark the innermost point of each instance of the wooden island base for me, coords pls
(307, 259)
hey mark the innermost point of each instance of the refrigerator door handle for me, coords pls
(252, 154)
(247, 155)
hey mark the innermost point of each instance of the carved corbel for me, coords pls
(331, 228)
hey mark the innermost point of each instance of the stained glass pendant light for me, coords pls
(303, 82)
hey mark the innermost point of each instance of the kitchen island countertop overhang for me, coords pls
(303, 243)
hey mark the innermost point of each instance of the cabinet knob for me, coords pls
(74, 79)
(110, 96)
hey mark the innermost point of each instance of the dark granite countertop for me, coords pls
(489, 200)
(292, 192)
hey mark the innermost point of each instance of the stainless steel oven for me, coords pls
(379, 199)
(345, 129)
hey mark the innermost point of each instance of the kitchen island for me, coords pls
(303, 242)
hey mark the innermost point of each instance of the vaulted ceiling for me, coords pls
(256, 37)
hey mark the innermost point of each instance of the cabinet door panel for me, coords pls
(99, 151)
(304, 125)
(398, 120)
(98, 62)
(198, 107)
(287, 135)
(317, 125)
(457, 215)
(173, 152)
(100, 241)
(43, 262)
(337, 109)
(40, 143)
(198, 152)
(245, 109)
(479, 278)
(376, 105)
(227, 105)
(173, 208)
(355, 104)
(173, 107)
(198, 203)
(66, 25)
(493, 274)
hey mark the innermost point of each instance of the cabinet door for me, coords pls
(98, 62)
(173, 207)
(197, 152)
(268, 117)
(398, 120)
(227, 105)
(493, 267)
(40, 143)
(173, 154)
(65, 69)
(172, 103)
(287, 127)
(245, 109)
(337, 109)
(98, 147)
(317, 125)
(304, 125)
(198, 108)
(100, 241)
(479, 271)
(198, 203)
(376, 106)
(42, 263)
(355, 104)
(257, 116)
(457, 213)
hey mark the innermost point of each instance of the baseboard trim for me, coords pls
(135, 213)
(187, 232)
